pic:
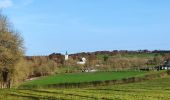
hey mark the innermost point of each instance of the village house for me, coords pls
(82, 61)
(166, 66)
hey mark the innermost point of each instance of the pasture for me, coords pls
(157, 89)
(83, 77)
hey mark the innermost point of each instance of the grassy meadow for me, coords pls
(157, 89)
(84, 77)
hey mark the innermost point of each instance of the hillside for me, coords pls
(157, 89)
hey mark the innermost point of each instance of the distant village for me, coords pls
(116, 60)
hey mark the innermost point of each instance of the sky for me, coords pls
(49, 26)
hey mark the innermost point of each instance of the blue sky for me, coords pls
(90, 25)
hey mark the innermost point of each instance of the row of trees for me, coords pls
(117, 62)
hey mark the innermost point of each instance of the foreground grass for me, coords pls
(158, 89)
(84, 77)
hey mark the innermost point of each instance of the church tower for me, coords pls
(66, 56)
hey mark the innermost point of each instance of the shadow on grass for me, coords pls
(66, 94)
(32, 96)
(112, 90)
(24, 96)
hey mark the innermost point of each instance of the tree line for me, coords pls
(101, 61)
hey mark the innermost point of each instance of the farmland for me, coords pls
(84, 77)
(157, 89)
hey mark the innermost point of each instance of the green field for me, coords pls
(158, 89)
(84, 77)
(138, 55)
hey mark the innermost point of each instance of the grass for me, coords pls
(138, 55)
(158, 89)
(84, 77)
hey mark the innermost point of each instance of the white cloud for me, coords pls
(5, 3)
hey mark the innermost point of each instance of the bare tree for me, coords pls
(11, 50)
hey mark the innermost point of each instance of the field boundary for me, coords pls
(100, 83)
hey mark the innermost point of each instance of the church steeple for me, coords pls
(66, 56)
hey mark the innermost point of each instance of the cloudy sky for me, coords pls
(89, 25)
